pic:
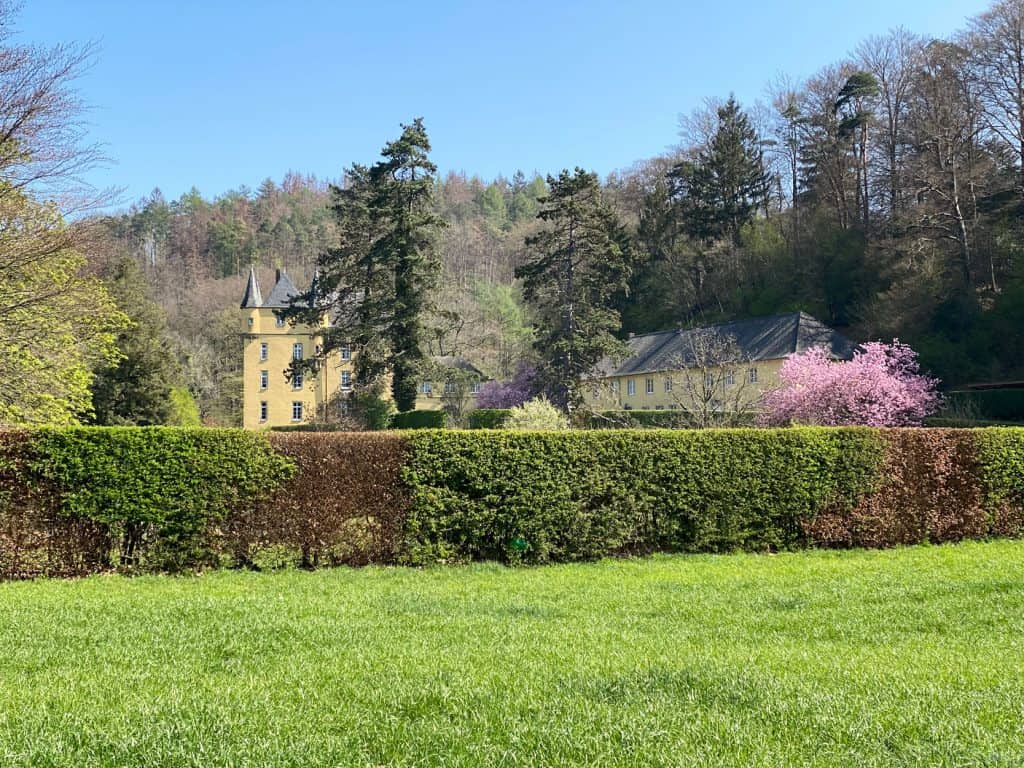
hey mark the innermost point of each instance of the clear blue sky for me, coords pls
(222, 93)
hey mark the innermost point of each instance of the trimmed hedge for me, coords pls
(150, 498)
(84, 500)
(540, 497)
(419, 420)
(488, 418)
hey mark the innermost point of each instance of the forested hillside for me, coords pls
(883, 194)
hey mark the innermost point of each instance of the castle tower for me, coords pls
(269, 398)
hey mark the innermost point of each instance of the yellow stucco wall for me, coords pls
(259, 327)
(613, 393)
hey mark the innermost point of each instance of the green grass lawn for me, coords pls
(908, 657)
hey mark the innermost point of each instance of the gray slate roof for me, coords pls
(284, 290)
(759, 338)
(252, 296)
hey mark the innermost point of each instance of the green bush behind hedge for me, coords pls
(419, 420)
(488, 418)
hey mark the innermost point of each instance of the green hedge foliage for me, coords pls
(155, 495)
(540, 497)
(83, 500)
(419, 420)
(488, 418)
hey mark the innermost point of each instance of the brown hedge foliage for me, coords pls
(345, 505)
(931, 491)
(35, 539)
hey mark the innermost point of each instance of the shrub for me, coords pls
(488, 418)
(635, 419)
(536, 414)
(419, 420)
(539, 497)
(345, 504)
(156, 493)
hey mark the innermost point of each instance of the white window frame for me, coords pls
(264, 411)
(298, 408)
(298, 379)
(668, 383)
(730, 379)
(264, 351)
(631, 386)
(649, 386)
(427, 388)
(752, 375)
(475, 388)
(279, 321)
(264, 380)
(297, 350)
(346, 352)
(346, 379)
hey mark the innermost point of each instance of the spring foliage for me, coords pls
(880, 387)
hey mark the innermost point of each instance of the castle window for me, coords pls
(346, 352)
(297, 351)
(263, 351)
(449, 387)
(346, 379)
(668, 383)
(475, 388)
(263, 410)
(752, 375)
(631, 387)
(297, 377)
(264, 379)
(730, 379)
(296, 411)
(649, 386)
(279, 320)
(251, 322)
(426, 388)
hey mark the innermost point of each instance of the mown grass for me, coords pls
(908, 657)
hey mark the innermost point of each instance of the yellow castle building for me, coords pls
(269, 397)
(269, 345)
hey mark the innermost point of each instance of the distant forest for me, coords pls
(884, 195)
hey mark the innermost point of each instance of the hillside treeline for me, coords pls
(883, 194)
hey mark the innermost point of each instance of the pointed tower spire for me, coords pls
(252, 297)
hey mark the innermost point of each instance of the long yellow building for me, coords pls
(726, 366)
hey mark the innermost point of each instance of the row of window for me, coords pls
(298, 379)
(298, 411)
(728, 380)
(450, 388)
(297, 352)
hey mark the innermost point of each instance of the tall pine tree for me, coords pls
(376, 283)
(727, 184)
(579, 262)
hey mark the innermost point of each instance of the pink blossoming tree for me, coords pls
(880, 387)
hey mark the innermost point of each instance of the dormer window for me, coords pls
(279, 321)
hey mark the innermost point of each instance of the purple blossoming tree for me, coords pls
(880, 387)
(509, 394)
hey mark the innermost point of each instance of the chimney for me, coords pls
(277, 275)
